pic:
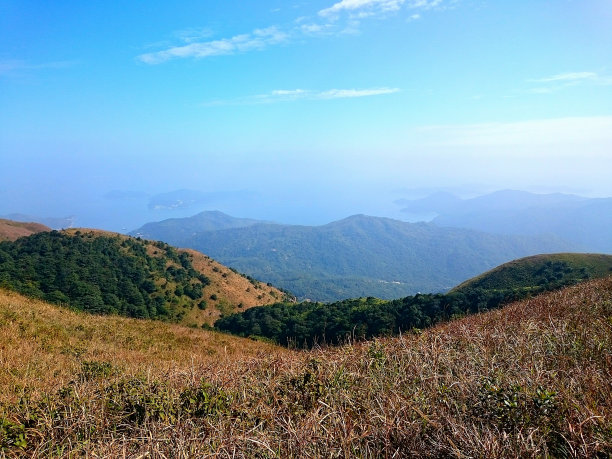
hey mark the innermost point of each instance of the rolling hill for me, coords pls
(177, 231)
(539, 270)
(308, 324)
(55, 223)
(102, 272)
(528, 380)
(11, 230)
(357, 256)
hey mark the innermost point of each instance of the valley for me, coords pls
(354, 257)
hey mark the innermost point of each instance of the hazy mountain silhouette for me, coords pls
(586, 222)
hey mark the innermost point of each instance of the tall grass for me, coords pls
(531, 379)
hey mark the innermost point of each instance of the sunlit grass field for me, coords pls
(531, 379)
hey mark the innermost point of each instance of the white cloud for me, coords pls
(194, 46)
(562, 81)
(364, 8)
(425, 4)
(293, 94)
(316, 29)
(288, 92)
(288, 95)
(257, 40)
(360, 5)
(350, 93)
(572, 76)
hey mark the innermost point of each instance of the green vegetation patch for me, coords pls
(307, 324)
(545, 272)
(102, 274)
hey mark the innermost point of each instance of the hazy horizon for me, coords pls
(298, 112)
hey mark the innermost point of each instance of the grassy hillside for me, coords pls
(55, 223)
(11, 230)
(531, 379)
(541, 270)
(108, 273)
(357, 256)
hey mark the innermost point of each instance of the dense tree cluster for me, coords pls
(100, 274)
(307, 324)
(548, 272)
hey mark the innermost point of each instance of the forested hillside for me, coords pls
(535, 272)
(307, 324)
(106, 273)
(178, 231)
(357, 256)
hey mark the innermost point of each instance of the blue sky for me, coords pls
(314, 110)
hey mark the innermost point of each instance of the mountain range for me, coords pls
(585, 222)
(354, 257)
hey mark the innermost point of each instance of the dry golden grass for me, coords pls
(43, 346)
(530, 380)
(11, 230)
(234, 292)
(227, 293)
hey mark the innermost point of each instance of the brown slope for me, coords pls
(43, 346)
(234, 292)
(11, 230)
(228, 292)
(528, 380)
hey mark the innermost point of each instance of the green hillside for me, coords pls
(107, 273)
(538, 271)
(307, 324)
(357, 256)
(176, 231)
